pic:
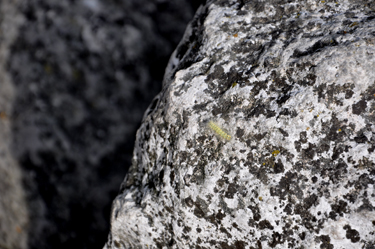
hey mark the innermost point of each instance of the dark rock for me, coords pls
(83, 74)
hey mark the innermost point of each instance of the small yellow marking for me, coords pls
(275, 152)
(339, 130)
(260, 198)
(219, 131)
(308, 128)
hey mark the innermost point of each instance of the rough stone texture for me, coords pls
(294, 85)
(13, 208)
(81, 75)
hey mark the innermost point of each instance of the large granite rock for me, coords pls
(76, 78)
(293, 84)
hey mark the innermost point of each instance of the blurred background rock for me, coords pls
(75, 79)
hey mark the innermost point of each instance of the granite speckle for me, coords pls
(299, 170)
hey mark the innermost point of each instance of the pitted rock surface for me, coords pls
(294, 85)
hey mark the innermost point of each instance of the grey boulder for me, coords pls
(263, 135)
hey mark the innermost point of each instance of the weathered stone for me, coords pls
(293, 84)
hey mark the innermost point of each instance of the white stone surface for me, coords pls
(294, 85)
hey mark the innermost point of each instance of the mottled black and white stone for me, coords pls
(294, 85)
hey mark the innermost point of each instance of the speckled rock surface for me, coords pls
(82, 73)
(293, 84)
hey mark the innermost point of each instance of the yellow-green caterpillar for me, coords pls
(219, 131)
